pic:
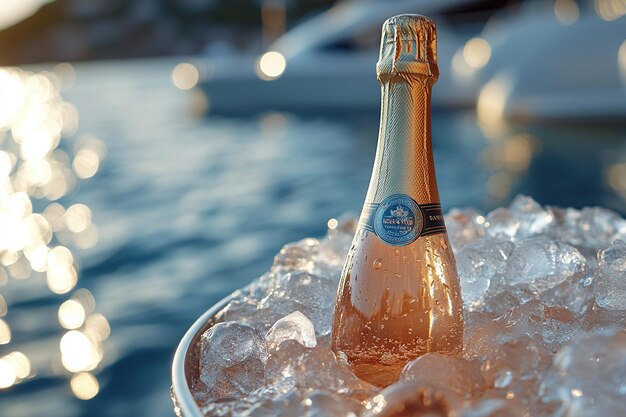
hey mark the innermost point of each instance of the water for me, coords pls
(188, 209)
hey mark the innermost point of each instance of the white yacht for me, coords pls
(327, 64)
(516, 60)
(555, 61)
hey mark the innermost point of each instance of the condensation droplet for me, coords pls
(378, 263)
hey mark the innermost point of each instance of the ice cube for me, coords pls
(475, 320)
(501, 297)
(295, 326)
(464, 226)
(515, 367)
(244, 309)
(591, 227)
(602, 318)
(284, 404)
(240, 308)
(407, 398)
(533, 219)
(550, 325)
(547, 402)
(494, 407)
(477, 264)
(231, 361)
(609, 285)
(318, 403)
(281, 364)
(228, 408)
(318, 368)
(566, 226)
(259, 288)
(482, 336)
(574, 293)
(597, 226)
(334, 247)
(296, 256)
(309, 293)
(501, 224)
(456, 374)
(263, 401)
(294, 365)
(332, 255)
(593, 373)
(540, 263)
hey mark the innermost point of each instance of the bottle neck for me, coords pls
(404, 157)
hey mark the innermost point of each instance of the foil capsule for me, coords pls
(408, 46)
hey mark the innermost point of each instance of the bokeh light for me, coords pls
(566, 11)
(86, 163)
(77, 218)
(20, 363)
(616, 178)
(7, 374)
(491, 105)
(5, 332)
(61, 274)
(35, 170)
(67, 74)
(3, 306)
(84, 385)
(621, 61)
(477, 52)
(71, 314)
(460, 68)
(12, 96)
(97, 327)
(79, 352)
(185, 76)
(271, 65)
(55, 215)
(610, 9)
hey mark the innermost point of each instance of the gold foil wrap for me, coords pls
(408, 46)
(406, 70)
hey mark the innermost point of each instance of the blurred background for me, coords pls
(156, 154)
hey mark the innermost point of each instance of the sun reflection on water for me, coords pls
(71, 314)
(7, 374)
(566, 11)
(5, 333)
(37, 233)
(84, 385)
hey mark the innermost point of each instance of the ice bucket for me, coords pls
(187, 361)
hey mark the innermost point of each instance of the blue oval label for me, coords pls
(398, 220)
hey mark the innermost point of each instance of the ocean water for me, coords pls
(189, 208)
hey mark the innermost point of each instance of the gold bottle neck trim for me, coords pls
(404, 161)
(408, 48)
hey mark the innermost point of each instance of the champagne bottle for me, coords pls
(399, 295)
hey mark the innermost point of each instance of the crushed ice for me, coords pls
(545, 327)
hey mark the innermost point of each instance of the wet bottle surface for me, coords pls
(399, 295)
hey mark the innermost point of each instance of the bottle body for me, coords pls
(399, 295)
(396, 304)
